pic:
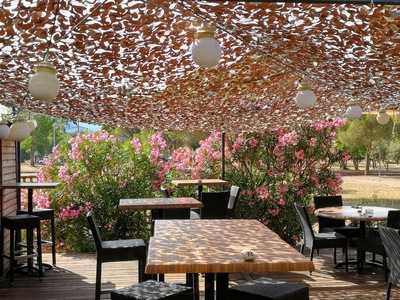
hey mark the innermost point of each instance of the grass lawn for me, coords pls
(372, 190)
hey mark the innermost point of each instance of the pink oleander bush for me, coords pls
(274, 170)
(95, 171)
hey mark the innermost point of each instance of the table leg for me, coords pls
(199, 191)
(360, 251)
(29, 232)
(222, 286)
(209, 286)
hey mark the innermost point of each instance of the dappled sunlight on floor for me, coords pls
(74, 279)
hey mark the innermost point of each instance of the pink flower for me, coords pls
(274, 211)
(41, 199)
(137, 146)
(346, 156)
(290, 138)
(262, 192)
(313, 142)
(238, 144)
(299, 154)
(282, 202)
(253, 142)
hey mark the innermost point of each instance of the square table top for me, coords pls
(29, 185)
(159, 203)
(214, 246)
(191, 182)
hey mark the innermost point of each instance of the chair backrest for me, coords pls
(308, 233)
(94, 229)
(215, 205)
(391, 241)
(166, 192)
(233, 197)
(328, 201)
(393, 219)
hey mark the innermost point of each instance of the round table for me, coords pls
(354, 214)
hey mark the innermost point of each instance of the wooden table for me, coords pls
(30, 186)
(199, 183)
(353, 213)
(213, 247)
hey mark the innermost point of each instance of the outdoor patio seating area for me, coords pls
(196, 150)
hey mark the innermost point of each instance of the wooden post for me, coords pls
(223, 155)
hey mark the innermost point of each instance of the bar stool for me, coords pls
(45, 214)
(268, 289)
(14, 224)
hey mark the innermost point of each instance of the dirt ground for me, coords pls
(371, 188)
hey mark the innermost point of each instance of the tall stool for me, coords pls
(45, 214)
(14, 224)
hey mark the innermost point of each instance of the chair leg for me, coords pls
(142, 265)
(346, 258)
(12, 256)
(39, 250)
(302, 249)
(98, 279)
(312, 253)
(196, 286)
(334, 256)
(53, 240)
(385, 268)
(388, 289)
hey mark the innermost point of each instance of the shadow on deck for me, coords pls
(74, 279)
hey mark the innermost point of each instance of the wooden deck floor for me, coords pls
(74, 278)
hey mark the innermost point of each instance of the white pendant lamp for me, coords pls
(354, 111)
(20, 130)
(305, 97)
(4, 131)
(382, 117)
(44, 85)
(206, 51)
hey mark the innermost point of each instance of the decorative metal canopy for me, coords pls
(127, 63)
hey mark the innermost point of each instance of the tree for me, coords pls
(363, 134)
(49, 131)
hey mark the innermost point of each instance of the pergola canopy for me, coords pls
(347, 52)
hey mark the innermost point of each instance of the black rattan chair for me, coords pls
(391, 242)
(328, 224)
(268, 289)
(323, 240)
(176, 213)
(215, 205)
(372, 241)
(118, 250)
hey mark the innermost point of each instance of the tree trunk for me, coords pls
(356, 164)
(32, 155)
(367, 163)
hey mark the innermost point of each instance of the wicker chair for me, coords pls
(391, 242)
(327, 224)
(118, 250)
(372, 241)
(323, 240)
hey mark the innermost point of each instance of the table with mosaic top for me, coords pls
(159, 203)
(213, 247)
(353, 213)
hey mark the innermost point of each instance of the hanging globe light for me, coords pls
(20, 130)
(382, 117)
(305, 97)
(206, 51)
(354, 111)
(4, 130)
(44, 85)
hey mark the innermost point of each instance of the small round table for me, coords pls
(353, 213)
